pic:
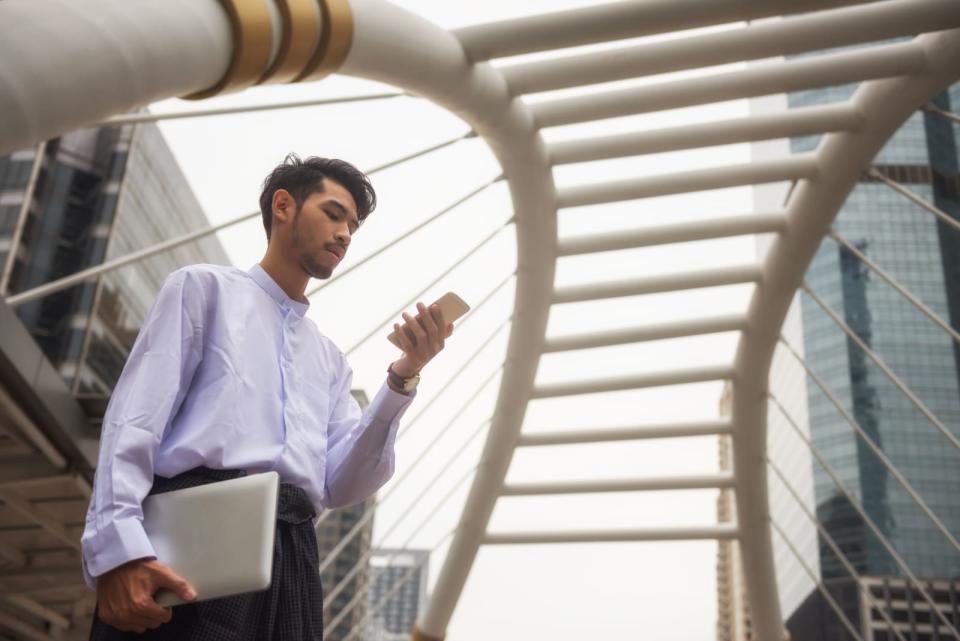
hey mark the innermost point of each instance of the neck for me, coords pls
(289, 276)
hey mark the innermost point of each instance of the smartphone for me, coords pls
(452, 306)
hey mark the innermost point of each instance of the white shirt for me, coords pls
(227, 373)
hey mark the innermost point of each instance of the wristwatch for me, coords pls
(405, 384)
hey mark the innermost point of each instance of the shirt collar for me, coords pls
(266, 282)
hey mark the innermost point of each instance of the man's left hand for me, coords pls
(421, 339)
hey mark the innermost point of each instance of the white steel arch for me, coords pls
(131, 60)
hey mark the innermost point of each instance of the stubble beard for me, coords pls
(308, 262)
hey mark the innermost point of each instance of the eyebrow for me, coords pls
(336, 204)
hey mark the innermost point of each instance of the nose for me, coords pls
(343, 236)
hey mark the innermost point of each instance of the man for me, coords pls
(228, 377)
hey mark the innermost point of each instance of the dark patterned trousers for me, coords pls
(291, 609)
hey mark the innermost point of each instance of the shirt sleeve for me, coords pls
(146, 398)
(360, 455)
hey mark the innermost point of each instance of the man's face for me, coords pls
(322, 229)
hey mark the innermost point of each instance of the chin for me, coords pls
(315, 269)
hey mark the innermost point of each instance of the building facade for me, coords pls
(330, 532)
(923, 255)
(398, 593)
(74, 202)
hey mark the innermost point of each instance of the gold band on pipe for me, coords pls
(335, 40)
(252, 31)
(301, 37)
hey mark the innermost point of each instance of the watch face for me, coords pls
(411, 383)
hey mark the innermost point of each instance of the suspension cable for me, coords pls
(900, 189)
(133, 119)
(332, 554)
(883, 367)
(852, 571)
(933, 109)
(869, 522)
(878, 452)
(409, 424)
(450, 493)
(823, 590)
(97, 270)
(405, 235)
(433, 283)
(408, 575)
(426, 489)
(926, 311)
(422, 152)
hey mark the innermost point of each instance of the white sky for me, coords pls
(615, 592)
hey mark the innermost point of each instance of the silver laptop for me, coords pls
(218, 536)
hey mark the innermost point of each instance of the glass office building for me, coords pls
(923, 255)
(74, 202)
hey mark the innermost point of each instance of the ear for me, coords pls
(283, 205)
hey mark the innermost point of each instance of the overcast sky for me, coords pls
(614, 592)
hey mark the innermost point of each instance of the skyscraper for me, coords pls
(398, 591)
(74, 202)
(922, 254)
(351, 596)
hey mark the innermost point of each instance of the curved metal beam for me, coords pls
(886, 104)
(394, 46)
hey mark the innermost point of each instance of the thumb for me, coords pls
(164, 577)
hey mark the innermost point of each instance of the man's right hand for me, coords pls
(125, 595)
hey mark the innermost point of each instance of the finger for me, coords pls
(449, 330)
(150, 612)
(430, 325)
(164, 577)
(403, 339)
(408, 324)
(416, 329)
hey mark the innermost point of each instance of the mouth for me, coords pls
(336, 251)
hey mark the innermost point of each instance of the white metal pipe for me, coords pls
(636, 381)
(941, 215)
(886, 104)
(921, 407)
(932, 108)
(721, 532)
(670, 430)
(794, 122)
(692, 482)
(80, 63)
(130, 119)
(870, 22)
(394, 46)
(751, 173)
(714, 227)
(672, 329)
(656, 284)
(617, 20)
(882, 61)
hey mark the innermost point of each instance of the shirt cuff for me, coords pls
(388, 406)
(119, 542)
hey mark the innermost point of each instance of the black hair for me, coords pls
(305, 177)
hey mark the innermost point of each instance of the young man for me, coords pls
(228, 377)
